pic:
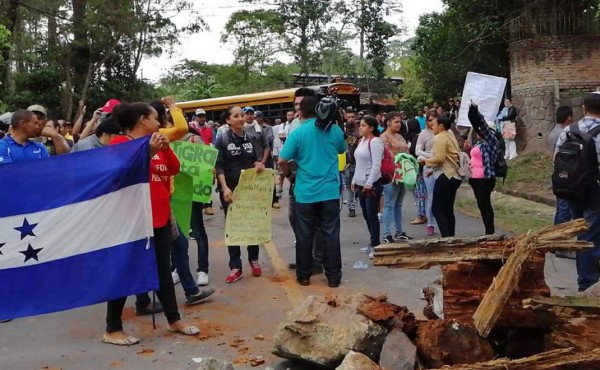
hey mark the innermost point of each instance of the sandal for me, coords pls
(130, 340)
(188, 330)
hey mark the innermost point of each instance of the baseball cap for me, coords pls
(200, 112)
(6, 118)
(259, 113)
(108, 126)
(248, 110)
(37, 108)
(110, 105)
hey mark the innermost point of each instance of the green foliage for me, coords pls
(42, 86)
(251, 33)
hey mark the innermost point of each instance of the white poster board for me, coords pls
(486, 91)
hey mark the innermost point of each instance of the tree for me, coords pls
(251, 33)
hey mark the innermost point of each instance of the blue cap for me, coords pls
(248, 110)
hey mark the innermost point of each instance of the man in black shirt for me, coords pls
(352, 137)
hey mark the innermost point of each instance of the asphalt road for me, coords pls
(245, 310)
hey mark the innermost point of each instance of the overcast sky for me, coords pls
(206, 46)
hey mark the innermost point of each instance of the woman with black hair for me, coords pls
(139, 120)
(236, 153)
(444, 163)
(366, 180)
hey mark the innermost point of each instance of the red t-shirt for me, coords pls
(207, 134)
(163, 165)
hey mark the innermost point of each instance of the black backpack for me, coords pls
(501, 169)
(576, 176)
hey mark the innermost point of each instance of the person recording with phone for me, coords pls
(315, 147)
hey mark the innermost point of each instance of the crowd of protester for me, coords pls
(303, 148)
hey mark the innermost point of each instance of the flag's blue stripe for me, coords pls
(78, 281)
(40, 185)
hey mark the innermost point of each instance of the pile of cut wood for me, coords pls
(494, 287)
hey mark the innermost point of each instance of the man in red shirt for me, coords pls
(205, 131)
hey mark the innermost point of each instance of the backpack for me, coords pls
(406, 170)
(576, 176)
(501, 168)
(387, 166)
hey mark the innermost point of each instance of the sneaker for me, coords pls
(149, 309)
(234, 275)
(3, 321)
(351, 213)
(388, 239)
(208, 211)
(255, 266)
(191, 233)
(380, 217)
(304, 281)
(333, 283)
(276, 205)
(430, 231)
(402, 236)
(372, 254)
(365, 250)
(175, 276)
(419, 220)
(202, 278)
(193, 299)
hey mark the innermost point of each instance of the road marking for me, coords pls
(294, 293)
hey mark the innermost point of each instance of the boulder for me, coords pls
(447, 342)
(357, 361)
(209, 363)
(322, 331)
(398, 352)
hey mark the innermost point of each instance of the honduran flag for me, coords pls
(75, 230)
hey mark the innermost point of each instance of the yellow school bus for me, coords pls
(274, 104)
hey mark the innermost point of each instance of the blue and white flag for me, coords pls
(75, 230)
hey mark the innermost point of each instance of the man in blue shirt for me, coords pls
(315, 151)
(17, 146)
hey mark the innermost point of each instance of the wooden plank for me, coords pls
(502, 287)
(504, 284)
(585, 303)
(560, 359)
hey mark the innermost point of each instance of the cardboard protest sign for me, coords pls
(249, 216)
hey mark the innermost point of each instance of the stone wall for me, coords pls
(547, 72)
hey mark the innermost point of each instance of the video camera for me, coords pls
(330, 111)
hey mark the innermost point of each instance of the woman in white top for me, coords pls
(424, 150)
(366, 180)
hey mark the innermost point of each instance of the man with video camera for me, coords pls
(314, 148)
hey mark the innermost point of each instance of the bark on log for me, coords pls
(578, 303)
(561, 359)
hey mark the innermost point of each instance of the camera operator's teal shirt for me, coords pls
(316, 154)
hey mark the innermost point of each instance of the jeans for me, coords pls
(444, 194)
(563, 213)
(393, 195)
(318, 242)
(166, 292)
(370, 207)
(482, 188)
(429, 185)
(587, 261)
(319, 218)
(235, 253)
(180, 260)
(197, 225)
(348, 174)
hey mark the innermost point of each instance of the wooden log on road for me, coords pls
(560, 359)
(506, 281)
(420, 254)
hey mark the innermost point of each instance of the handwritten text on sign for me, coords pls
(197, 160)
(249, 217)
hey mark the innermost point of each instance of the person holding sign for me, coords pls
(236, 153)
